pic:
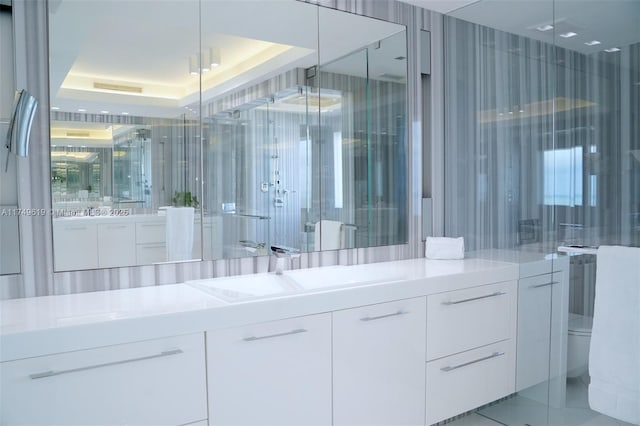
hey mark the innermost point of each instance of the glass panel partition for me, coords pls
(499, 170)
(548, 103)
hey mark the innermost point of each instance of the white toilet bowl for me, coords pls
(578, 343)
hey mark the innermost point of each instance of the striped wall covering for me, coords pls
(40, 279)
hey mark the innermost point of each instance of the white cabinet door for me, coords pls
(379, 364)
(542, 336)
(75, 244)
(465, 319)
(117, 244)
(147, 254)
(156, 382)
(276, 373)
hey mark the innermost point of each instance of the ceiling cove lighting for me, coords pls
(592, 43)
(544, 28)
(612, 49)
(568, 34)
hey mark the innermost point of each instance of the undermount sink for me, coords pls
(233, 289)
(244, 287)
(332, 276)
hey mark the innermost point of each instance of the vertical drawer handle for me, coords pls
(545, 284)
(106, 364)
(455, 367)
(455, 302)
(270, 336)
(395, 314)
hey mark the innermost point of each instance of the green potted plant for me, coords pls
(185, 199)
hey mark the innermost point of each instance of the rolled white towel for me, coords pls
(444, 248)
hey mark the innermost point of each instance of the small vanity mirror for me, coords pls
(224, 135)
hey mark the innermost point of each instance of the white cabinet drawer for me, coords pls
(465, 381)
(147, 254)
(461, 320)
(117, 244)
(276, 373)
(379, 364)
(156, 382)
(151, 231)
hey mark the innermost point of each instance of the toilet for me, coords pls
(578, 344)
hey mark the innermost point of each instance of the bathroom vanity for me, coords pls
(405, 342)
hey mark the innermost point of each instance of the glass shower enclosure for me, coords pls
(541, 164)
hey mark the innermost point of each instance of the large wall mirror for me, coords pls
(9, 234)
(201, 131)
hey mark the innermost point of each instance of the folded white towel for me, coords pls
(614, 356)
(180, 233)
(444, 248)
(329, 235)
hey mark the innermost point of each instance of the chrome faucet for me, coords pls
(282, 253)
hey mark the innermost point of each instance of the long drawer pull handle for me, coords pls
(455, 302)
(545, 284)
(395, 314)
(153, 225)
(270, 336)
(75, 228)
(455, 367)
(106, 364)
(116, 226)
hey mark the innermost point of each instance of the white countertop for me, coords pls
(53, 324)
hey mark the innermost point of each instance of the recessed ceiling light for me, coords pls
(568, 34)
(612, 49)
(592, 43)
(543, 28)
(82, 110)
(55, 108)
(125, 113)
(104, 112)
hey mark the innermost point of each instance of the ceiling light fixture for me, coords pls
(193, 65)
(592, 43)
(82, 110)
(544, 28)
(104, 112)
(612, 49)
(568, 34)
(55, 108)
(215, 59)
(205, 60)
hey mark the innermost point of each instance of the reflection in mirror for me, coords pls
(125, 147)
(9, 234)
(289, 149)
(362, 146)
(292, 160)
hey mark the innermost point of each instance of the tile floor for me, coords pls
(521, 411)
